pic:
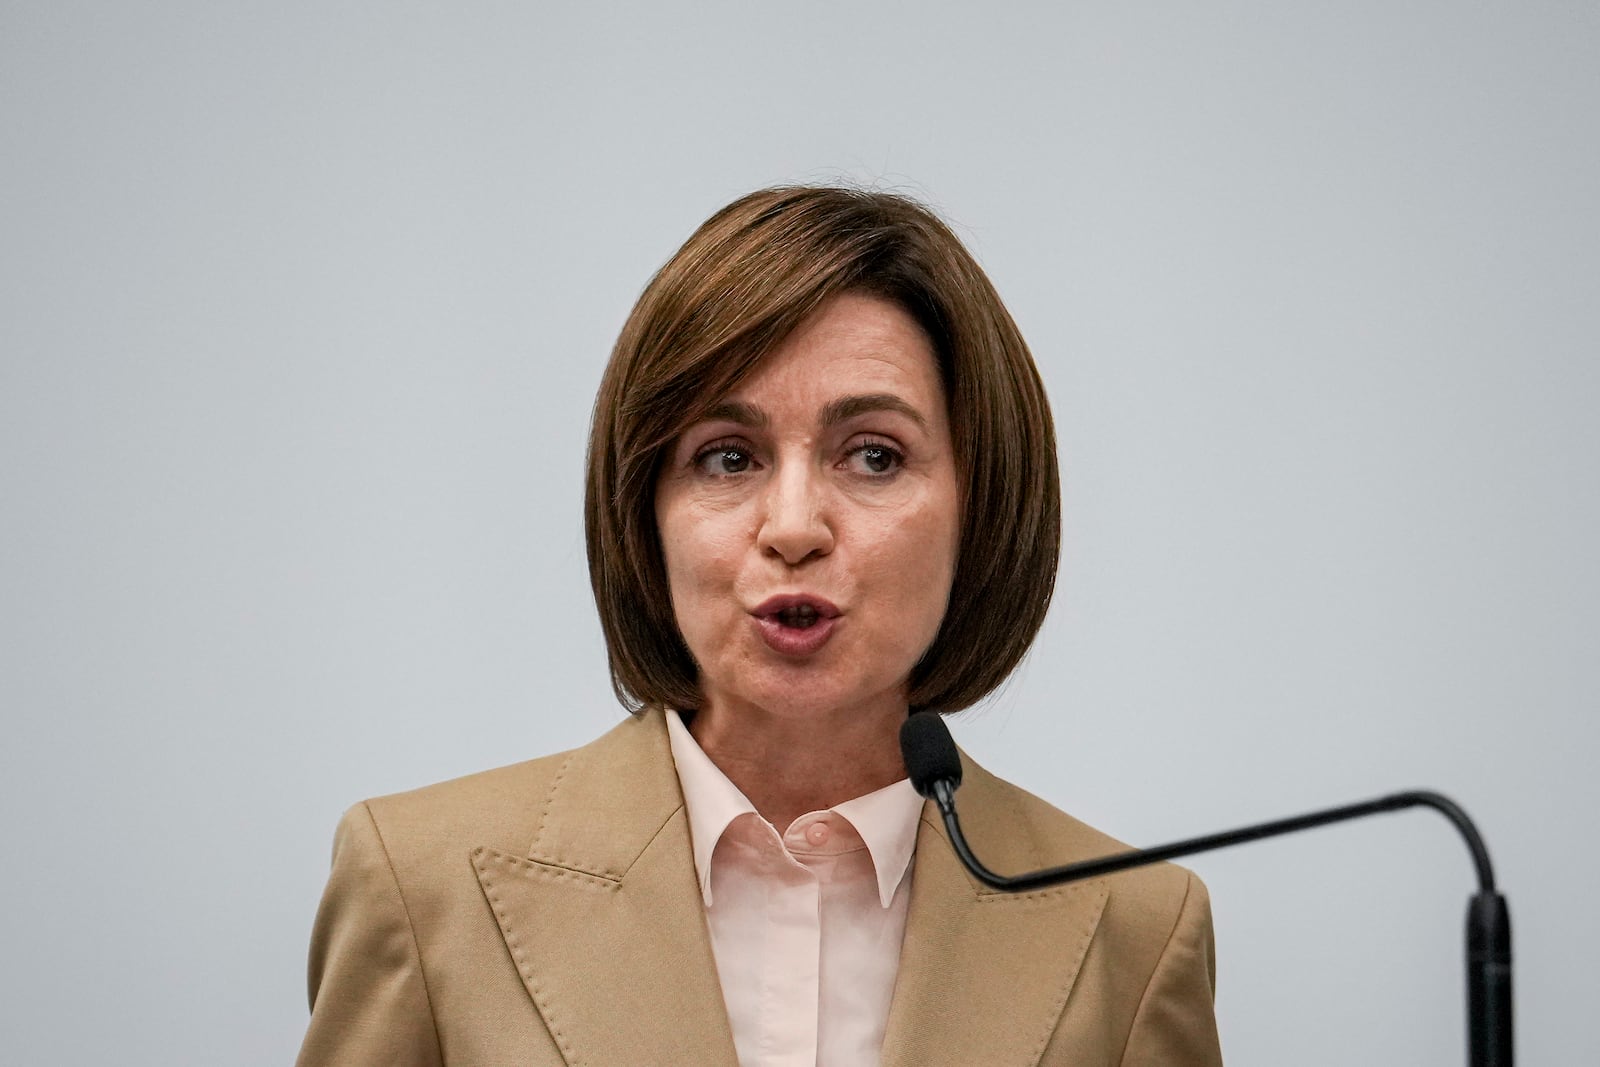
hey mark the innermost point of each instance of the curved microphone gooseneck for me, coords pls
(934, 766)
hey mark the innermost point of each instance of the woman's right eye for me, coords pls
(723, 460)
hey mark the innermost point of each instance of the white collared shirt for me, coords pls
(805, 925)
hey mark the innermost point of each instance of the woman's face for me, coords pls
(810, 522)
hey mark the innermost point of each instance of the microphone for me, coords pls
(934, 766)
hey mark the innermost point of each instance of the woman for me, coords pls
(822, 491)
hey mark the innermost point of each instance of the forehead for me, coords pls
(854, 343)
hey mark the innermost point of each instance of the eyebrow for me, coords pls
(834, 412)
(736, 411)
(848, 407)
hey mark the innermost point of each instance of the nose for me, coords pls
(795, 524)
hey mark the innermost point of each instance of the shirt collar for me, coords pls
(887, 821)
(886, 818)
(713, 801)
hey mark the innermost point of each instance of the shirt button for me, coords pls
(817, 834)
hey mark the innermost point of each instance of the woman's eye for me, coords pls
(876, 459)
(723, 460)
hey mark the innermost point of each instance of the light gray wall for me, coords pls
(303, 305)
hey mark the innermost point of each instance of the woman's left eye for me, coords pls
(875, 458)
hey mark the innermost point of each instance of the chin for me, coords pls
(790, 694)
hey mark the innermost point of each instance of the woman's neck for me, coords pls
(790, 765)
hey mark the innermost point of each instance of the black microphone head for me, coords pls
(929, 752)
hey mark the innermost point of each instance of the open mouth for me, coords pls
(795, 624)
(798, 616)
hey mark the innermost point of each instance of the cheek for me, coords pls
(701, 555)
(916, 562)
(944, 545)
(935, 571)
(677, 554)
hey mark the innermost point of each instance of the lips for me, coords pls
(795, 624)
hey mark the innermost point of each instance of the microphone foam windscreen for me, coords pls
(929, 751)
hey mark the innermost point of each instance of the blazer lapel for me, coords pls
(604, 917)
(984, 976)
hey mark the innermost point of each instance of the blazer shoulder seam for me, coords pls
(411, 928)
(1166, 946)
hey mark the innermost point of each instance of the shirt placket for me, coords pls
(791, 993)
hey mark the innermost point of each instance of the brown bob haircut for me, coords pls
(737, 288)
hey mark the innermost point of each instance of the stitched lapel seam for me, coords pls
(485, 861)
(1077, 952)
(601, 872)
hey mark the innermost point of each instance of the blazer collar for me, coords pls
(604, 916)
(984, 975)
(605, 920)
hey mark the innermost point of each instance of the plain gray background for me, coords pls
(301, 314)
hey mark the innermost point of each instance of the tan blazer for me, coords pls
(548, 913)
